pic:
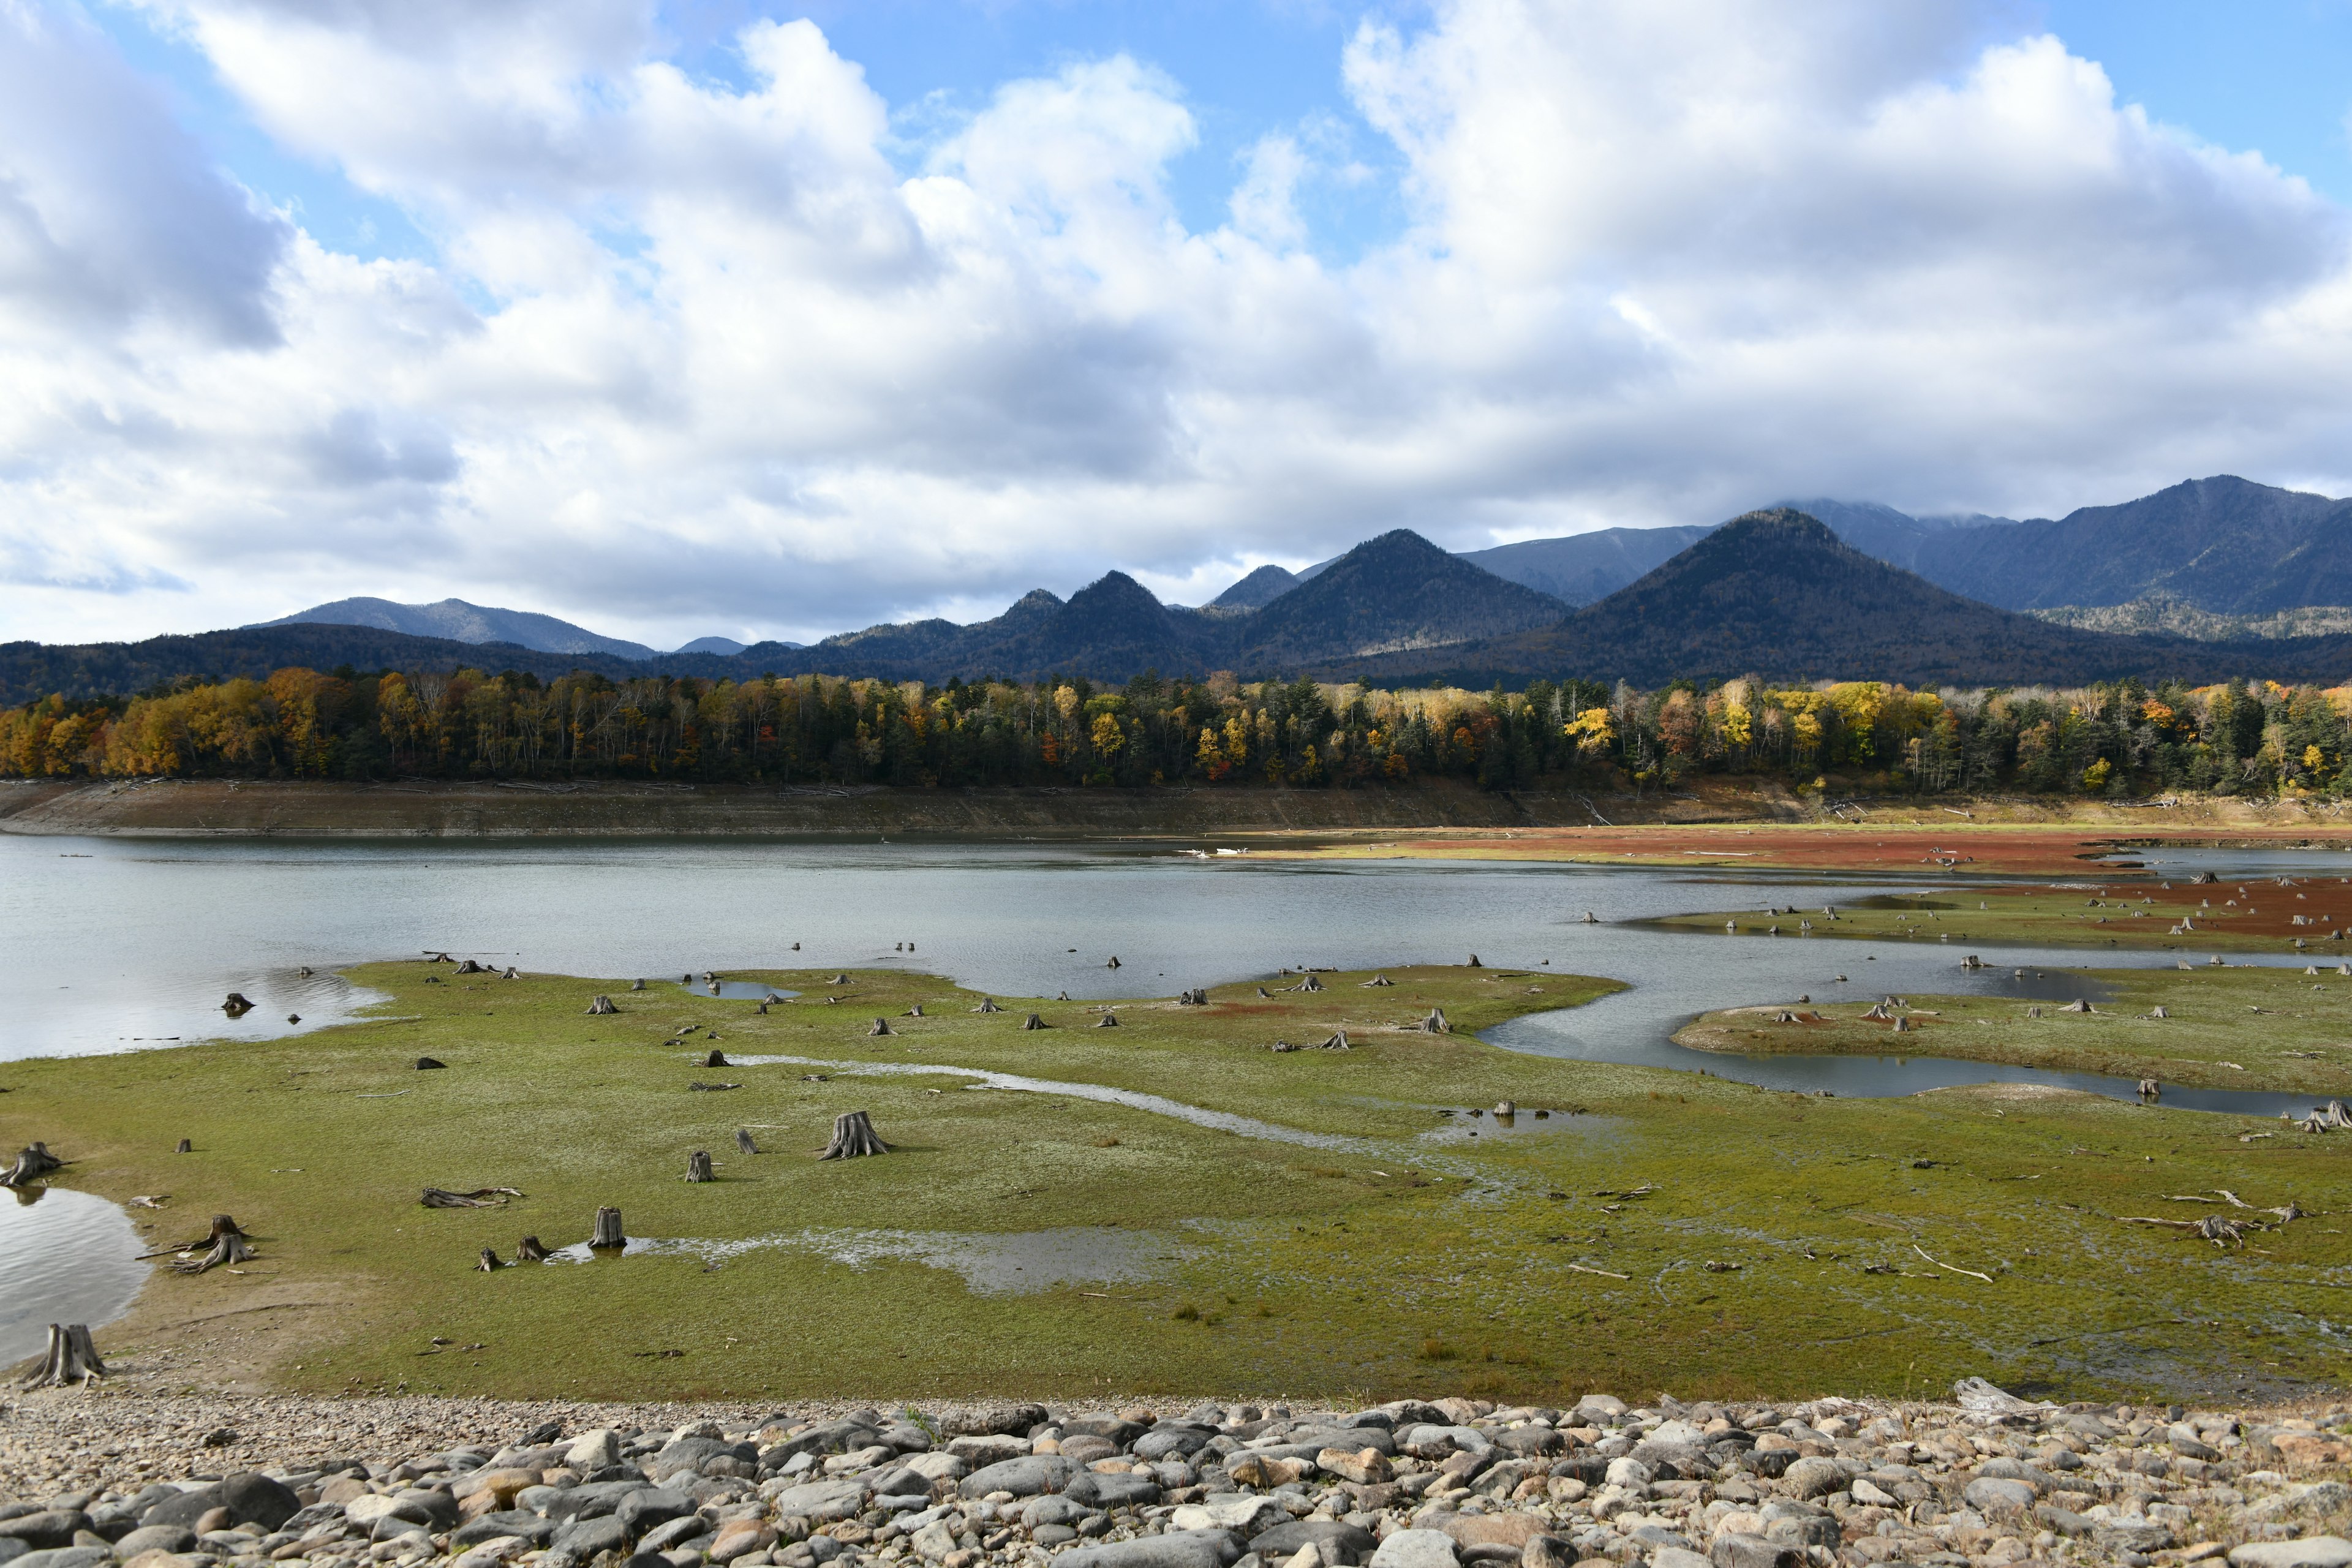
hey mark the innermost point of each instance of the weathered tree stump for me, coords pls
(2077, 1005)
(1507, 1107)
(1474, 963)
(1107, 1021)
(600, 1007)
(33, 1163)
(1061, 996)
(1904, 1025)
(479, 1198)
(1337, 1042)
(69, 1359)
(468, 967)
(529, 1250)
(1435, 1023)
(715, 1060)
(1033, 1022)
(1378, 980)
(743, 1140)
(853, 1137)
(430, 1064)
(608, 1229)
(185, 1147)
(636, 985)
(914, 1011)
(2149, 1089)
(698, 1166)
(509, 973)
(1590, 918)
(293, 1018)
(839, 980)
(772, 1000)
(438, 958)
(1263, 992)
(224, 1245)
(489, 1263)
(988, 1005)
(1114, 961)
(237, 1006)
(881, 1026)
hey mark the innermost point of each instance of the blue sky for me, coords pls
(768, 319)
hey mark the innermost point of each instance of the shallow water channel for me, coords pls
(131, 944)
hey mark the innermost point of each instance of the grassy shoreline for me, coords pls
(1410, 1258)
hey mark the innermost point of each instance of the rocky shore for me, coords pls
(158, 1482)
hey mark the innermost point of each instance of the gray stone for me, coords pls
(1170, 1442)
(641, 1510)
(1677, 1557)
(1994, 1496)
(1547, 1552)
(582, 1538)
(901, 1482)
(12, 1547)
(1053, 1534)
(1530, 1440)
(365, 1512)
(156, 1538)
(68, 1557)
(933, 1542)
(1812, 1477)
(54, 1527)
(1119, 1431)
(1023, 1476)
(990, 1448)
(833, 1438)
(1112, 1489)
(1282, 1543)
(1417, 1548)
(1176, 1549)
(2311, 1551)
(1630, 1473)
(520, 1522)
(1736, 1550)
(1801, 1523)
(185, 1508)
(1230, 1510)
(1052, 1509)
(671, 1532)
(2132, 1535)
(822, 1502)
(594, 1451)
(252, 1498)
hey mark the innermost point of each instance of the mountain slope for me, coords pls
(2224, 544)
(454, 620)
(1582, 567)
(1253, 591)
(1776, 593)
(1398, 591)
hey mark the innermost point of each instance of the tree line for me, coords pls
(2117, 739)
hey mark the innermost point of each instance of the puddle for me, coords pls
(1465, 1124)
(1134, 1099)
(734, 990)
(65, 1258)
(1021, 1263)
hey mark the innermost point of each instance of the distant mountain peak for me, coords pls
(454, 620)
(1256, 590)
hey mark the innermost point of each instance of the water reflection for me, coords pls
(65, 1258)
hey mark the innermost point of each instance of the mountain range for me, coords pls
(1785, 592)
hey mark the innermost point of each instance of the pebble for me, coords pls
(114, 1479)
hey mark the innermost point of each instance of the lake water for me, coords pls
(126, 945)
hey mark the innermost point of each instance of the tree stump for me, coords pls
(796, 947)
(1474, 963)
(185, 1147)
(1310, 984)
(1378, 980)
(915, 1011)
(225, 1244)
(600, 1007)
(853, 1137)
(2077, 1005)
(509, 973)
(1337, 1042)
(237, 1006)
(839, 980)
(743, 1140)
(697, 1167)
(1033, 1022)
(771, 1000)
(1590, 918)
(715, 1060)
(2149, 1089)
(33, 1163)
(608, 1229)
(489, 1263)
(529, 1250)
(1435, 1023)
(438, 958)
(70, 1358)
(468, 967)
(1507, 1107)
(430, 1064)
(1107, 1021)
(881, 1026)
(1263, 992)
(1061, 996)
(636, 985)
(1114, 961)
(988, 1005)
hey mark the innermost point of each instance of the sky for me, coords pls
(774, 320)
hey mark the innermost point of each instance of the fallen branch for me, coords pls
(479, 1198)
(1583, 1269)
(1953, 1266)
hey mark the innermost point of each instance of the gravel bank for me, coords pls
(196, 1482)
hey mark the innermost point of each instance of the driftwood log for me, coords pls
(479, 1198)
(853, 1136)
(1107, 1021)
(529, 1250)
(698, 1166)
(69, 1359)
(600, 1007)
(743, 1140)
(607, 1232)
(1033, 1022)
(226, 1243)
(489, 1263)
(33, 1163)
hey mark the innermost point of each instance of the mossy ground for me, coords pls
(2251, 916)
(2242, 1027)
(1400, 1263)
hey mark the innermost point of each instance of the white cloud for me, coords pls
(695, 355)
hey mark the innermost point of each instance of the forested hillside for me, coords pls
(2117, 739)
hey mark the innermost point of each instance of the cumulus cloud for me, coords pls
(697, 355)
